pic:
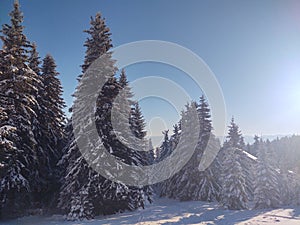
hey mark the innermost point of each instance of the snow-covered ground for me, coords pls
(166, 211)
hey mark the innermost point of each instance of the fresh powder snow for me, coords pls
(167, 211)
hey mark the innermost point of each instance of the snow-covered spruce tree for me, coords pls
(38, 125)
(254, 147)
(233, 194)
(163, 151)
(137, 125)
(130, 114)
(34, 59)
(267, 187)
(55, 117)
(234, 137)
(175, 137)
(167, 187)
(289, 187)
(98, 42)
(78, 173)
(84, 192)
(248, 163)
(194, 182)
(204, 117)
(151, 150)
(51, 140)
(284, 158)
(132, 197)
(246, 160)
(18, 90)
(165, 148)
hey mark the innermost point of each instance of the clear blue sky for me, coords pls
(253, 47)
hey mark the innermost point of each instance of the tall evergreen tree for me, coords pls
(233, 149)
(234, 138)
(233, 194)
(254, 147)
(18, 87)
(165, 148)
(151, 151)
(204, 116)
(79, 176)
(175, 137)
(98, 42)
(51, 138)
(137, 125)
(85, 193)
(137, 122)
(267, 189)
(196, 181)
(53, 99)
(34, 59)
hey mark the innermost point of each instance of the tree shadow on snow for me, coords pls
(184, 213)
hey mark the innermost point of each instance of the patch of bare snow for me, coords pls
(167, 211)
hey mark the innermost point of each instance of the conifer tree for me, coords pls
(175, 137)
(234, 138)
(79, 176)
(233, 194)
(196, 181)
(18, 87)
(204, 116)
(34, 59)
(98, 42)
(53, 99)
(164, 150)
(233, 150)
(254, 147)
(137, 121)
(151, 152)
(52, 121)
(85, 193)
(267, 188)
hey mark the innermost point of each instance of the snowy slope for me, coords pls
(165, 211)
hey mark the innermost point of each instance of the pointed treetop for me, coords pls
(14, 41)
(175, 129)
(34, 59)
(137, 121)
(234, 137)
(123, 78)
(166, 136)
(16, 14)
(49, 66)
(204, 116)
(98, 42)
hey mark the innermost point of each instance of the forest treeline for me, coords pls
(42, 170)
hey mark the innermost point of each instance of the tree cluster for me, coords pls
(31, 122)
(43, 170)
